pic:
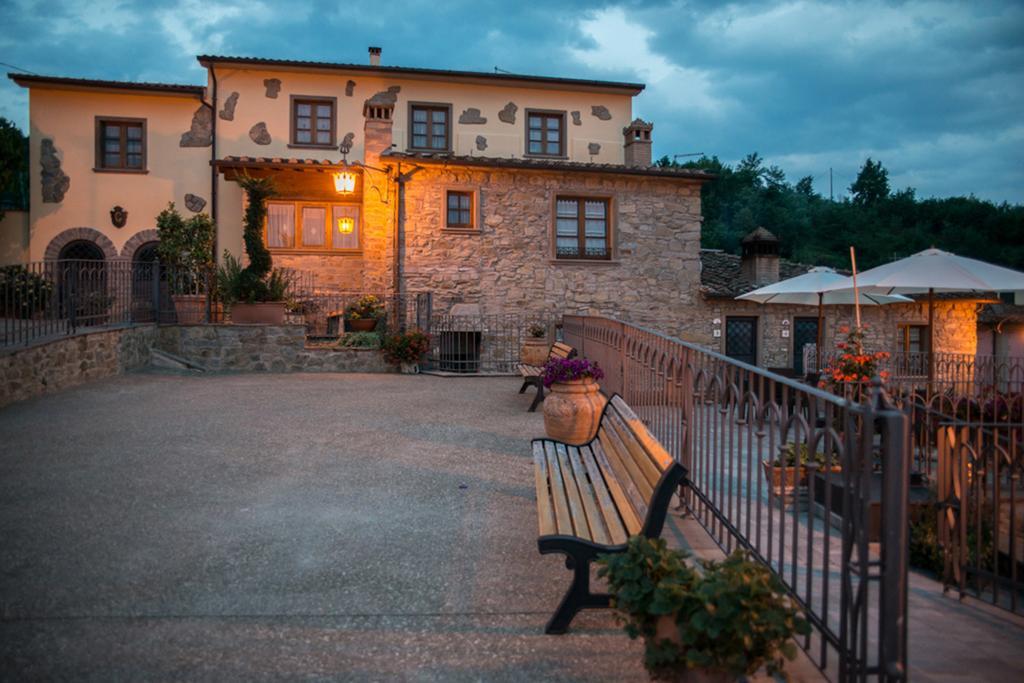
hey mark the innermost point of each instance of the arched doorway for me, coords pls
(145, 268)
(84, 292)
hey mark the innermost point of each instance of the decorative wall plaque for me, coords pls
(118, 216)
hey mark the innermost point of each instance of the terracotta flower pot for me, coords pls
(534, 351)
(266, 313)
(361, 325)
(795, 476)
(190, 309)
(572, 410)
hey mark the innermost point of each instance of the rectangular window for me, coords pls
(459, 207)
(429, 127)
(305, 226)
(313, 122)
(545, 134)
(345, 227)
(913, 338)
(121, 144)
(581, 228)
(280, 225)
(314, 226)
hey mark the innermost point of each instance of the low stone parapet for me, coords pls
(263, 348)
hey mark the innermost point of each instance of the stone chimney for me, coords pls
(638, 143)
(374, 56)
(378, 112)
(760, 261)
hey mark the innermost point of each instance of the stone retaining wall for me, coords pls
(262, 348)
(66, 362)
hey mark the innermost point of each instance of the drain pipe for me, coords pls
(401, 179)
(213, 160)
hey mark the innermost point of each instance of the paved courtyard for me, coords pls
(353, 527)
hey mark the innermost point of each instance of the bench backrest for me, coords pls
(645, 475)
(561, 350)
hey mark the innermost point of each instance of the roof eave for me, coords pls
(614, 87)
(68, 83)
(577, 167)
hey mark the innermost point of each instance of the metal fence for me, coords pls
(834, 532)
(485, 343)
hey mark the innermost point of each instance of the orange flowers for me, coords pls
(853, 364)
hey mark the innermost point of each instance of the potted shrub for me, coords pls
(23, 293)
(573, 408)
(789, 469)
(535, 346)
(729, 621)
(363, 314)
(186, 251)
(850, 371)
(406, 350)
(258, 292)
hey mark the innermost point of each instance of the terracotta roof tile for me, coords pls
(26, 80)
(721, 275)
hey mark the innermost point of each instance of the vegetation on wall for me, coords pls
(257, 281)
(13, 167)
(880, 223)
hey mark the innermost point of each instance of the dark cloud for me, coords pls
(935, 90)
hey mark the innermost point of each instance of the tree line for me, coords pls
(883, 225)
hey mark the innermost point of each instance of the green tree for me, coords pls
(871, 185)
(13, 166)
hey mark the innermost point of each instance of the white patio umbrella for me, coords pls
(931, 271)
(812, 288)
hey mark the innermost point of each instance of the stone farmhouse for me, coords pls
(516, 193)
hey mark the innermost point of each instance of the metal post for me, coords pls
(895, 437)
(155, 284)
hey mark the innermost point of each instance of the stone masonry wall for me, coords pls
(955, 326)
(66, 362)
(508, 264)
(262, 348)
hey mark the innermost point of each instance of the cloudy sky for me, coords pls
(935, 90)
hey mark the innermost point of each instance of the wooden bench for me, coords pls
(592, 498)
(532, 373)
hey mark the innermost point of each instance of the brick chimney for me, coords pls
(375, 56)
(378, 112)
(760, 261)
(638, 143)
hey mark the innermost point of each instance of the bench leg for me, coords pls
(538, 398)
(526, 383)
(578, 597)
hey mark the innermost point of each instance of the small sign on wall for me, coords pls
(785, 333)
(717, 333)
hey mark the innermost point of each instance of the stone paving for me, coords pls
(353, 527)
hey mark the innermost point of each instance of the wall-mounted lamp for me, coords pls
(344, 183)
(346, 225)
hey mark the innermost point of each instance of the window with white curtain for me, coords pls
(280, 225)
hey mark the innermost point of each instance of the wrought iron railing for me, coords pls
(727, 422)
(485, 343)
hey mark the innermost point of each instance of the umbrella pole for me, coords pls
(856, 294)
(931, 339)
(821, 332)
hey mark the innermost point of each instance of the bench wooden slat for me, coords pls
(529, 370)
(562, 518)
(643, 435)
(598, 531)
(631, 517)
(612, 520)
(647, 466)
(561, 350)
(615, 449)
(572, 494)
(545, 514)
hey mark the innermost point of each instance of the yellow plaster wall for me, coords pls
(503, 139)
(68, 118)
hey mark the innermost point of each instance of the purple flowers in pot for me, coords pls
(568, 369)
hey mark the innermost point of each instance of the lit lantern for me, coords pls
(346, 225)
(344, 182)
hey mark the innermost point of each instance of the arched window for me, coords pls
(83, 250)
(84, 296)
(145, 262)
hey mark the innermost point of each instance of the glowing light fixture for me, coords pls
(346, 225)
(344, 182)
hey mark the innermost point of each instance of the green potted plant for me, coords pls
(789, 469)
(24, 294)
(258, 292)
(362, 315)
(406, 350)
(186, 251)
(535, 346)
(729, 620)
